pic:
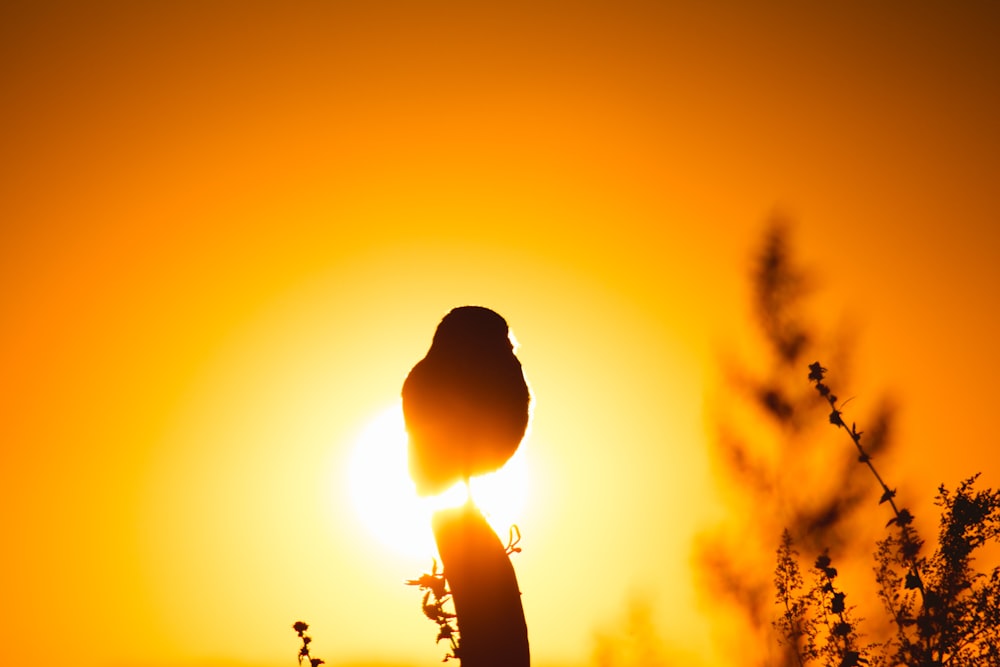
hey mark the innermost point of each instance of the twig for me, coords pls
(901, 516)
(300, 627)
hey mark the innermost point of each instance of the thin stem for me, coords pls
(901, 517)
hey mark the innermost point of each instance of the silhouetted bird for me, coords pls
(466, 403)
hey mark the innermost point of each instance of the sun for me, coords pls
(385, 499)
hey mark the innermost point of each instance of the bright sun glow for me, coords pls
(386, 502)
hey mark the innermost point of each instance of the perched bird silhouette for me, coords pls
(465, 404)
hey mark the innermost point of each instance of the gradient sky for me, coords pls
(228, 229)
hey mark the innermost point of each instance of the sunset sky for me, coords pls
(228, 230)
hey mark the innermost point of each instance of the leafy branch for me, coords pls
(435, 597)
(910, 542)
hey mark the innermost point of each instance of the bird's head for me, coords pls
(472, 328)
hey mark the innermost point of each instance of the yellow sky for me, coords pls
(228, 233)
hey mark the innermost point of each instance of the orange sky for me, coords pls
(228, 233)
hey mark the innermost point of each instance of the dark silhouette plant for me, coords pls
(816, 623)
(435, 597)
(778, 471)
(943, 611)
(300, 627)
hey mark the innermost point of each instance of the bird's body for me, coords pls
(466, 403)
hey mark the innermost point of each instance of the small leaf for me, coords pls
(887, 496)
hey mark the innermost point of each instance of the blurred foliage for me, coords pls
(777, 469)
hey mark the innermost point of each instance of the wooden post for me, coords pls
(491, 627)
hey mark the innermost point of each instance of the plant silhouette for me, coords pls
(305, 655)
(768, 450)
(943, 611)
(436, 596)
